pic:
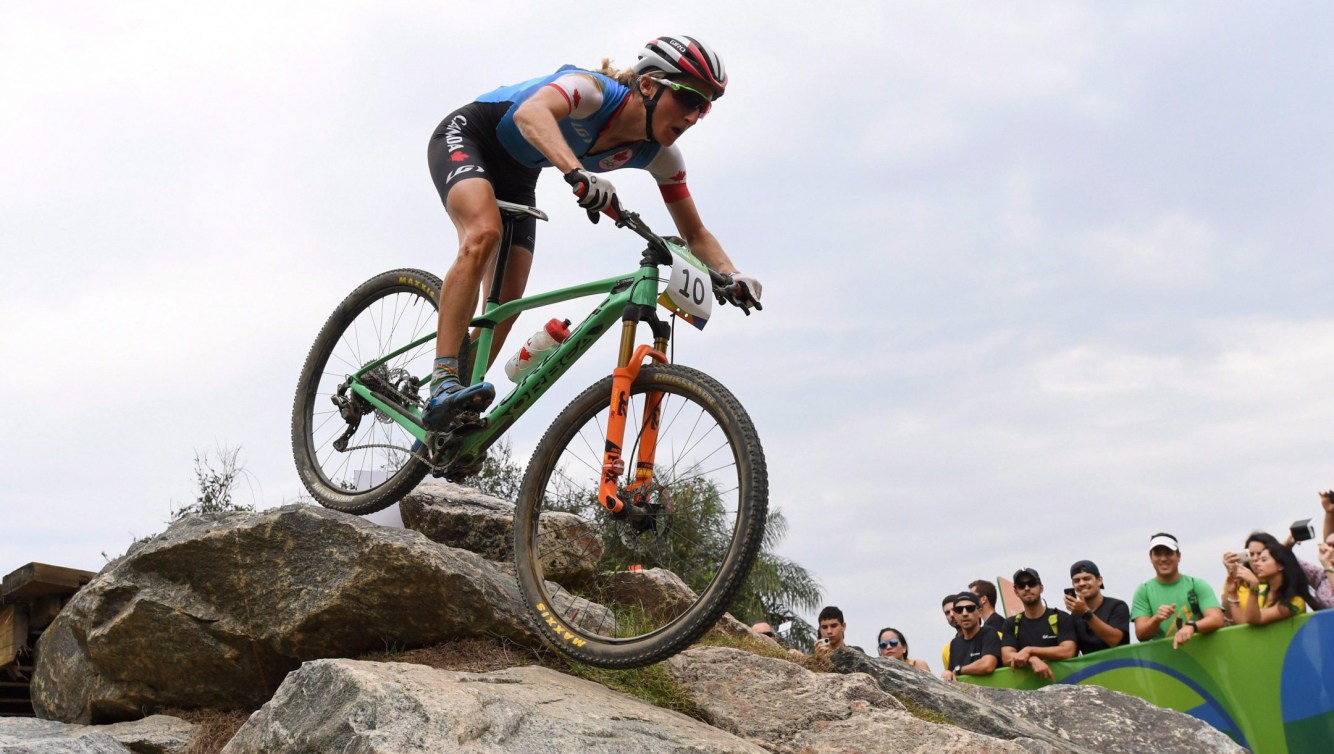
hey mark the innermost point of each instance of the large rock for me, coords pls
(390, 708)
(32, 736)
(788, 709)
(1111, 722)
(215, 611)
(1071, 718)
(459, 516)
(661, 593)
(951, 701)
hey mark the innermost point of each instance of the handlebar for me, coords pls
(723, 288)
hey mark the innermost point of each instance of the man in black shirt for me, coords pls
(986, 603)
(974, 651)
(1039, 633)
(1100, 621)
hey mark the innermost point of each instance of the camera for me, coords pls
(1070, 592)
(1302, 530)
(1244, 558)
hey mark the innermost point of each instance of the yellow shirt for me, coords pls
(1298, 605)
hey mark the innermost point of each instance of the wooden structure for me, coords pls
(30, 598)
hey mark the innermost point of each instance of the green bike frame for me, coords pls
(640, 288)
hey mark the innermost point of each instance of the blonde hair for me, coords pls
(625, 76)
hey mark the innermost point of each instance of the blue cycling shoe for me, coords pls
(450, 398)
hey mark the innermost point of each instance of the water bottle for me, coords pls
(532, 353)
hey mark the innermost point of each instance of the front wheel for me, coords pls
(622, 591)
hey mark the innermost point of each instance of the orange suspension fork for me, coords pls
(613, 466)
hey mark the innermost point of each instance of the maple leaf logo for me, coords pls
(679, 177)
(461, 156)
(576, 98)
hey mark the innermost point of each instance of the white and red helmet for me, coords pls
(684, 55)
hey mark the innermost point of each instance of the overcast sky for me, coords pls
(1041, 279)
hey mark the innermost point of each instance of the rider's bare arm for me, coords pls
(537, 121)
(701, 242)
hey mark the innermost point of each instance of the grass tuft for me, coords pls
(216, 727)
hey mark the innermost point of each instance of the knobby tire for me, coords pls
(625, 634)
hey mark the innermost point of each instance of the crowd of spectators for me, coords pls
(1263, 583)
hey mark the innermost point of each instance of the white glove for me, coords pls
(595, 194)
(746, 288)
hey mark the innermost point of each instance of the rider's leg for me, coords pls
(472, 206)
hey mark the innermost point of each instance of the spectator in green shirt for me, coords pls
(1172, 603)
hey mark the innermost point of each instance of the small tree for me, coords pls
(215, 484)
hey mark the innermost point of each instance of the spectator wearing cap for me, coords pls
(986, 596)
(974, 651)
(1100, 621)
(1029, 639)
(1172, 603)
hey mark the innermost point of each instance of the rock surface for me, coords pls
(155, 734)
(951, 701)
(788, 709)
(32, 736)
(215, 611)
(1110, 722)
(1068, 718)
(373, 708)
(462, 517)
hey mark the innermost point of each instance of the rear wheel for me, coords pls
(351, 456)
(632, 589)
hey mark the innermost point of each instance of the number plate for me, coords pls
(689, 294)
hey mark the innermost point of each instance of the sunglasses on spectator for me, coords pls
(1027, 585)
(965, 609)
(769, 634)
(888, 644)
(689, 98)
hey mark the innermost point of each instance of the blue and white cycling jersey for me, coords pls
(595, 99)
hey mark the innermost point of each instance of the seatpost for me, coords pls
(506, 238)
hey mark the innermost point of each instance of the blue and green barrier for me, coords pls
(1271, 688)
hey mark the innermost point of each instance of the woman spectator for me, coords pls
(1269, 587)
(1318, 576)
(893, 645)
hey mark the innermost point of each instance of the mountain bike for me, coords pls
(656, 466)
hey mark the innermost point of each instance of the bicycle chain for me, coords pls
(418, 456)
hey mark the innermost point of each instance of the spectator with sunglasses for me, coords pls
(894, 646)
(765, 630)
(1038, 634)
(585, 123)
(975, 651)
(986, 595)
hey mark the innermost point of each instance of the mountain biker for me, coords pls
(584, 123)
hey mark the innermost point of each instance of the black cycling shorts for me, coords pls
(465, 146)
